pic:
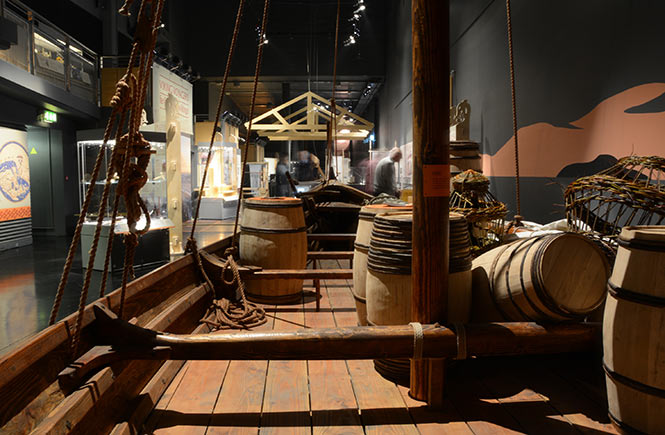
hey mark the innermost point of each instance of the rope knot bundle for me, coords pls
(122, 99)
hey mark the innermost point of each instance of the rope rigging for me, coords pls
(234, 311)
(129, 160)
(517, 221)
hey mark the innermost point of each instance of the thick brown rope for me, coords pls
(239, 314)
(234, 240)
(333, 103)
(234, 39)
(131, 144)
(518, 218)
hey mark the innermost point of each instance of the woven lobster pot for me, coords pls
(632, 192)
(361, 250)
(548, 278)
(485, 215)
(273, 236)
(634, 332)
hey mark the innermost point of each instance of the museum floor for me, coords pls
(29, 277)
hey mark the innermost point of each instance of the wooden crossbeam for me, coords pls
(330, 255)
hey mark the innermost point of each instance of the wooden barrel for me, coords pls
(389, 283)
(464, 155)
(273, 236)
(459, 270)
(634, 332)
(389, 279)
(543, 279)
(361, 249)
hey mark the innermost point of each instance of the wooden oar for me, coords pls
(118, 340)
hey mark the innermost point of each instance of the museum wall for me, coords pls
(590, 80)
(395, 104)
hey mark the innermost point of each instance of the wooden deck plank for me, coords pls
(238, 408)
(382, 410)
(446, 421)
(532, 410)
(194, 400)
(584, 414)
(286, 398)
(333, 403)
(163, 402)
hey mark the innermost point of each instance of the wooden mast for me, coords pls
(431, 184)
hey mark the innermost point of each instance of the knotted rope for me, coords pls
(130, 158)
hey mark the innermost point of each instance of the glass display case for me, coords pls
(219, 195)
(154, 245)
(154, 191)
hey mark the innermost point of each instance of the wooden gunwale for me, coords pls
(32, 368)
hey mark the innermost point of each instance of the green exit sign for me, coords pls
(49, 116)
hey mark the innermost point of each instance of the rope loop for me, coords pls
(124, 10)
(418, 340)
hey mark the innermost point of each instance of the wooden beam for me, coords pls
(361, 342)
(431, 185)
(330, 255)
(296, 273)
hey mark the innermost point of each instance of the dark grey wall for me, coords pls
(569, 56)
(395, 105)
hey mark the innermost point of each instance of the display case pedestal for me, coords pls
(218, 208)
(153, 247)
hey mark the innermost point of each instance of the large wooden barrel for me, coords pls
(273, 236)
(634, 332)
(543, 279)
(464, 155)
(459, 270)
(389, 279)
(361, 249)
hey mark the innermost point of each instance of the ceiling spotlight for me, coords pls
(360, 9)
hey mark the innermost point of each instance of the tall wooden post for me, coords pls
(431, 184)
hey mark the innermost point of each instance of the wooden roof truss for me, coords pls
(309, 122)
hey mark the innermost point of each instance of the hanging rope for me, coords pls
(234, 241)
(517, 221)
(332, 144)
(129, 159)
(234, 39)
(230, 312)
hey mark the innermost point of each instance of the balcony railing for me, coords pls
(49, 53)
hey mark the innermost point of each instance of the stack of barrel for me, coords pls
(464, 154)
(634, 332)
(361, 250)
(388, 279)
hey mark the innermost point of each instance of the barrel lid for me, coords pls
(648, 237)
(280, 201)
(573, 271)
(371, 210)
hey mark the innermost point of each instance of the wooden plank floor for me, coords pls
(541, 394)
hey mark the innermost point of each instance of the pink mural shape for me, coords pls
(544, 149)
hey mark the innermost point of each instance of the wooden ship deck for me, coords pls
(532, 394)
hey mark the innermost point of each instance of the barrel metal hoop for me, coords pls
(361, 247)
(641, 245)
(635, 385)
(491, 283)
(460, 333)
(273, 231)
(623, 427)
(507, 276)
(544, 296)
(631, 296)
(418, 339)
(534, 282)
